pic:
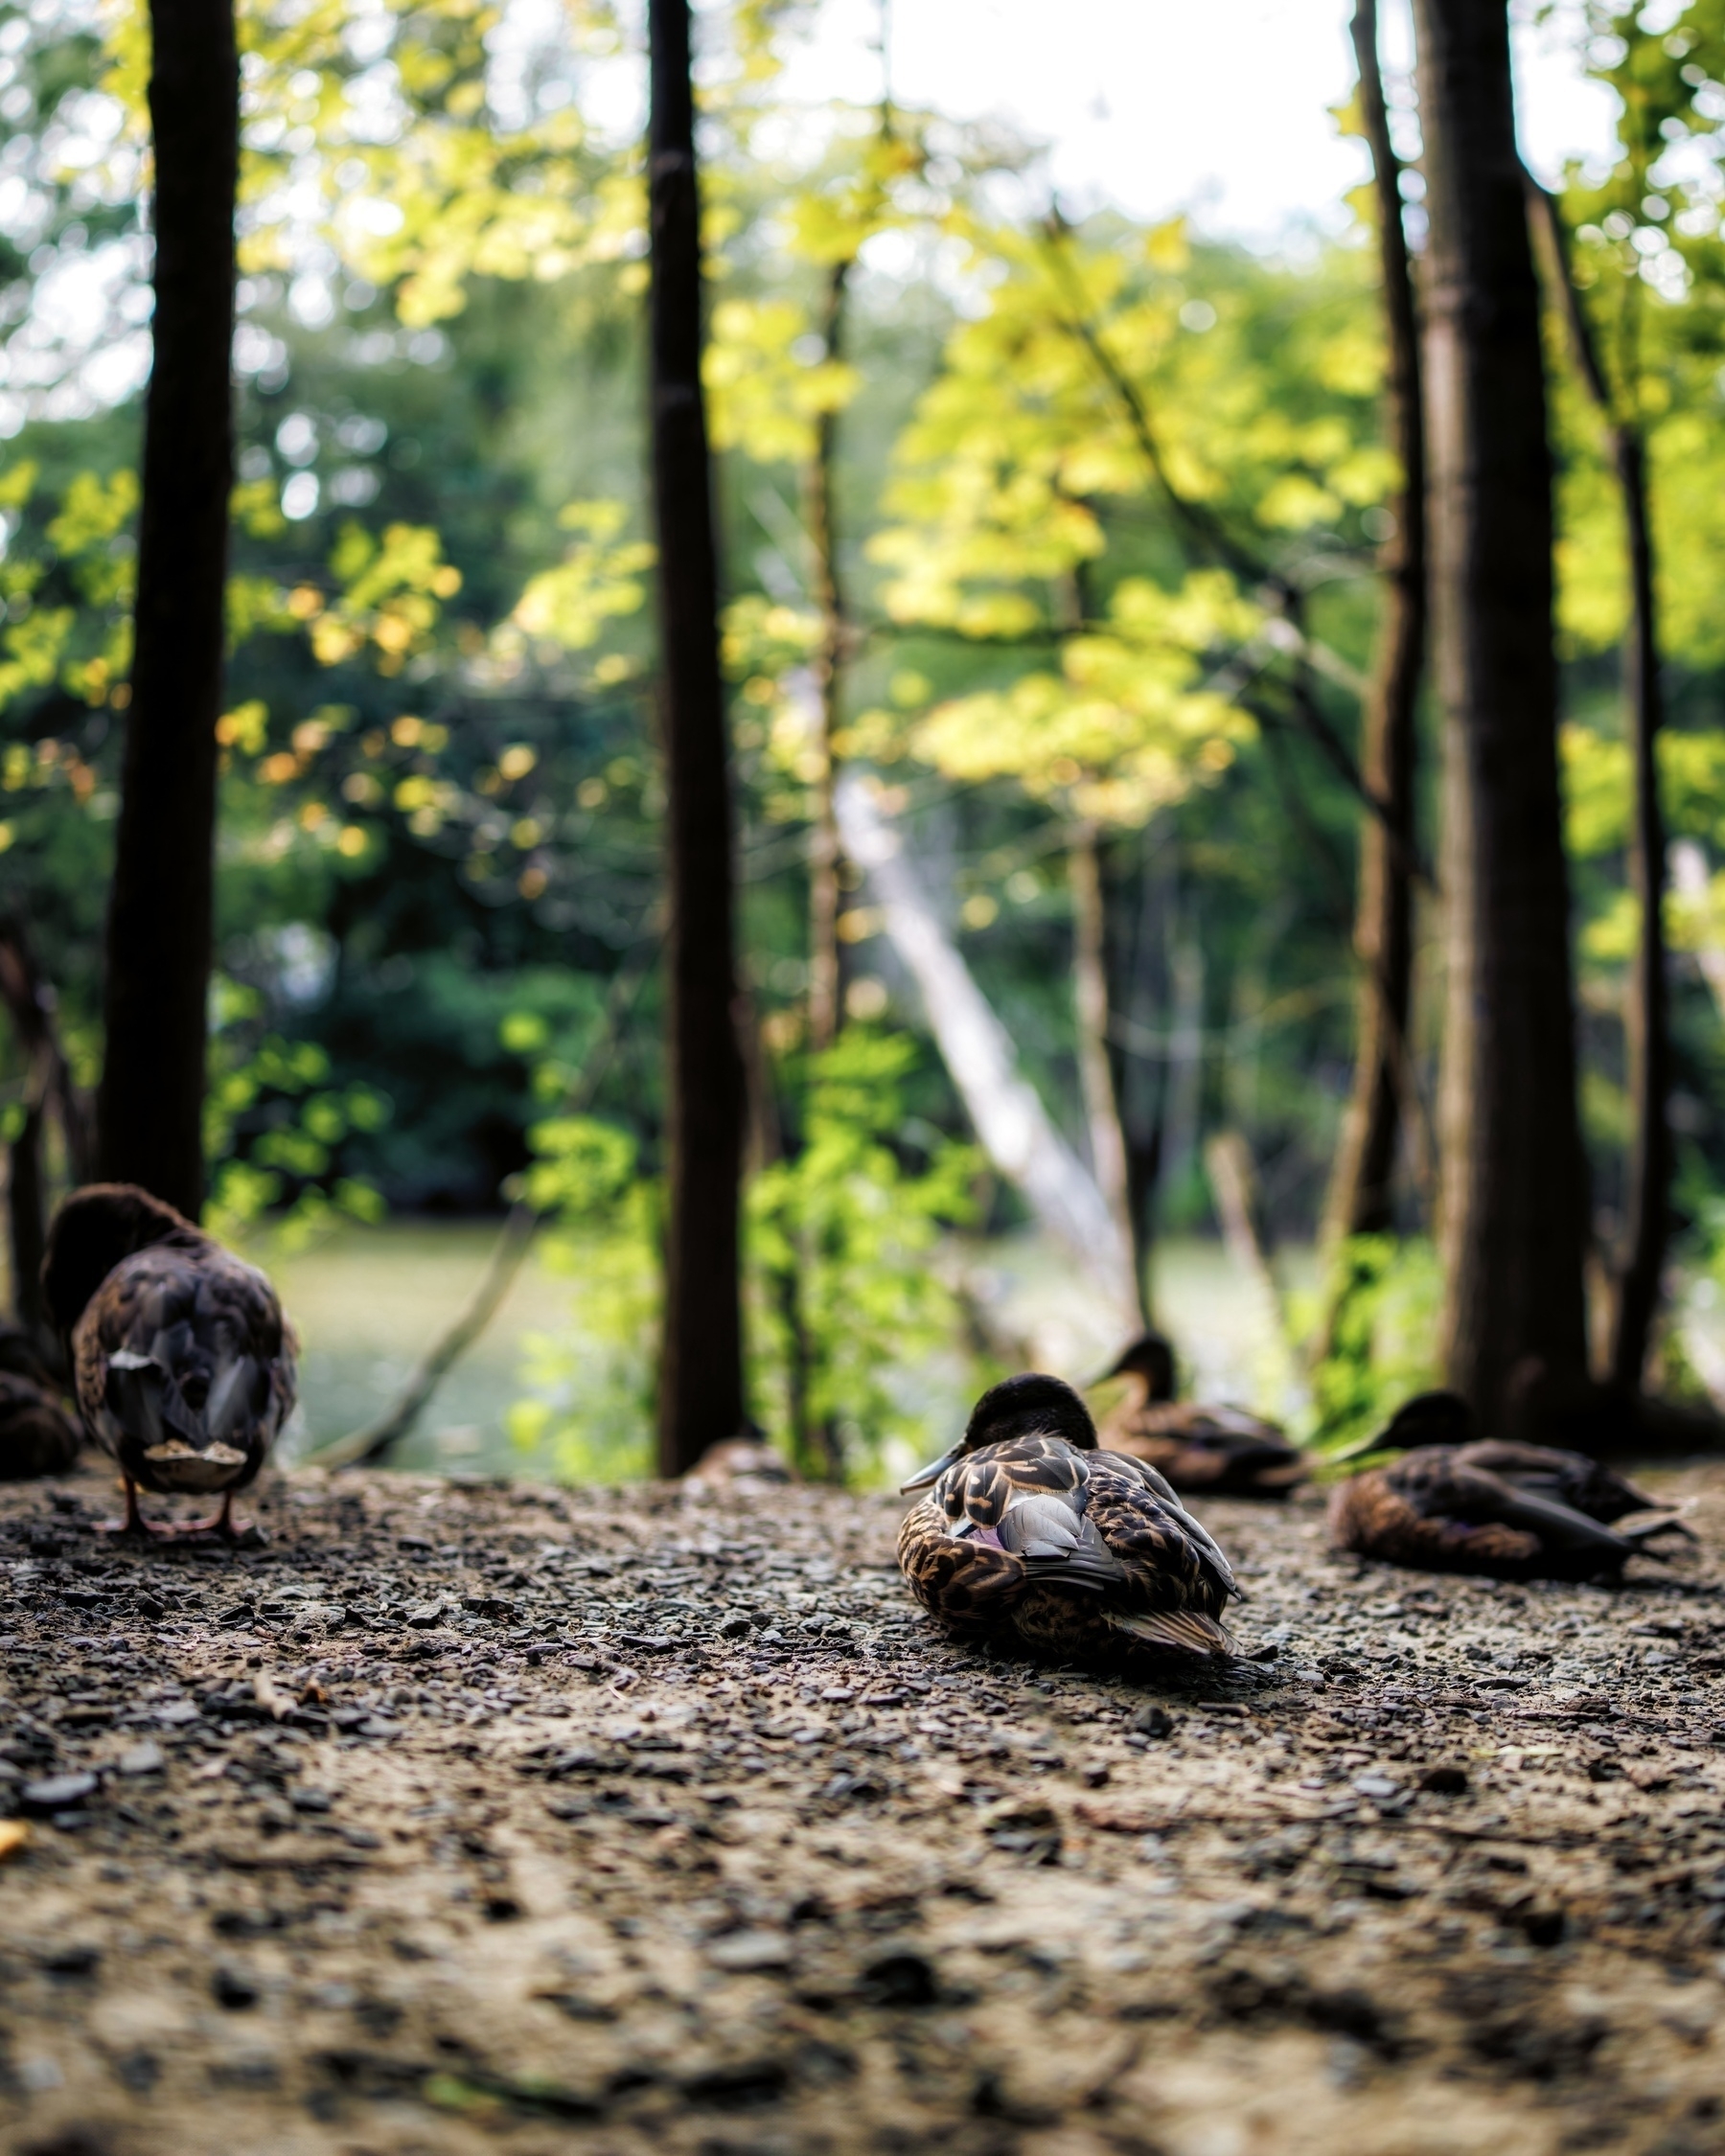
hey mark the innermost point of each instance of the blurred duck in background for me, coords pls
(181, 1358)
(1204, 1450)
(37, 1436)
(1457, 1502)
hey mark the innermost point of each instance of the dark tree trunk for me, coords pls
(1647, 1195)
(1362, 1197)
(1514, 1198)
(701, 1375)
(825, 982)
(1647, 1207)
(149, 1111)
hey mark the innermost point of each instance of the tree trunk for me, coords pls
(701, 1375)
(1360, 1197)
(1514, 1200)
(1646, 1205)
(150, 1112)
(825, 984)
(1090, 999)
(1010, 1120)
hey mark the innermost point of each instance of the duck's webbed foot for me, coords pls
(243, 1534)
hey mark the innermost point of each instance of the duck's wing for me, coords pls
(1461, 1486)
(1572, 1478)
(969, 1582)
(185, 1366)
(1145, 1525)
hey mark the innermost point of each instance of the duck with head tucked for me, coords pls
(1457, 1503)
(182, 1360)
(1032, 1534)
(1206, 1451)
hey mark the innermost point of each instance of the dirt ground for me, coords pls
(467, 1818)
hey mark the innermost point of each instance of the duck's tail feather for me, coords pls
(1188, 1630)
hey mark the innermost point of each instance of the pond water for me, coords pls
(369, 1301)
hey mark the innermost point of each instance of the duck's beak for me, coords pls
(933, 1473)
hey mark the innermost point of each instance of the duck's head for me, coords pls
(1430, 1418)
(93, 1231)
(1150, 1357)
(1032, 1405)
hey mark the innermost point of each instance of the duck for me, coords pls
(741, 1463)
(1456, 1502)
(1032, 1534)
(1207, 1451)
(37, 1437)
(183, 1362)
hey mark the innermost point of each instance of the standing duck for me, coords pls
(182, 1360)
(1207, 1451)
(1031, 1533)
(1478, 1504)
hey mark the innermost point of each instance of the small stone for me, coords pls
(1377, 1786)
(312, 1801)
(741, 1951)
(232, 1989)
(56, 1793)
(1153, 1721)
(144, 1758)
(177, 1714)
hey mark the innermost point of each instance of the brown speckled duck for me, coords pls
(37, 1437)
(1457, 1503)
(183, 1362)
(1031, 1533)
(1207, 1451)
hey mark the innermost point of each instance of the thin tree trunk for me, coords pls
(1090, 1000)
(1011, 1123)
(826, 985)
(1144, 986)
(1514, 1200)
(150, 1113)
(700, 1376)
(1361, 1196)
(1693, 884)
(1646, 1210)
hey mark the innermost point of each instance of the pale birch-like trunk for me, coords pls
(1010, 1120)
(1089, 1004)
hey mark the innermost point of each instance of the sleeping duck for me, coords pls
(1474, 1504)
(1031, 1533)
(182, 1360)
(37, 1437)
(1207, 1451)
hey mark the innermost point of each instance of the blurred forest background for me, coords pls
(1001, 499)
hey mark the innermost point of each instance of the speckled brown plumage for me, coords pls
(1031, 1534)
(1204, 1450)
(182, 1360)
(1514, 1511)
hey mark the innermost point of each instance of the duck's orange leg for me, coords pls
(224, 1525)
(134, 1528)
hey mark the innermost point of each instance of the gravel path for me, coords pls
(466, 1817)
